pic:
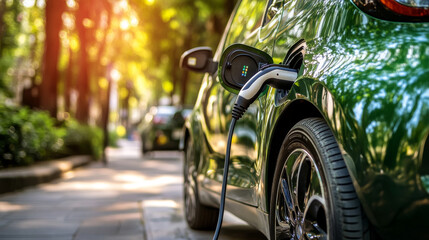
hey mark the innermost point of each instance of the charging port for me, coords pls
(294, 59)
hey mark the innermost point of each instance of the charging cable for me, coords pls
(225, 179)
(277, 76)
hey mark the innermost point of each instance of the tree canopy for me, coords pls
(62, 55)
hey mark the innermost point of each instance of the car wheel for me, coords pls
(147, 145)
(144, 147)
(197, 215)
(312, 195)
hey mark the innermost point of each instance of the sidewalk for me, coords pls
(17, 178)
(164, 220)
(131, 198)
(91, 203)
(163, 215)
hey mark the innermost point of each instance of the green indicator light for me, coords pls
(244, 72)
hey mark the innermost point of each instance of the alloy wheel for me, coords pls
(300, 203)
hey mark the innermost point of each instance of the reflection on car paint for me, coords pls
(366, 77)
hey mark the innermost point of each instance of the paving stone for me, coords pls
(33, 197)
(86, 214)
(37, 238)
(3, 222)
(131, 227)
(88, 204)
(117, 210)
(39, 213)
(164, 220)
(114, 237)
(38, 228)
(85, 195)
(98, 227)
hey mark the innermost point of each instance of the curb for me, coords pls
(163, 219)
(17, 178)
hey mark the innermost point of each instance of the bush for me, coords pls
(113, 139)
(27, 136)
(82, 139)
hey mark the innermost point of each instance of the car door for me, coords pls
(250, 26)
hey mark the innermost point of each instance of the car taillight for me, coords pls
(396, 10)
(412, 8)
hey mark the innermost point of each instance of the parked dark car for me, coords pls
(162, 128)
(344, 152)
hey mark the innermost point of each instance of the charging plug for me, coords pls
(277, 76)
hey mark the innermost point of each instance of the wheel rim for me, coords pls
(189, 193)
(189, 202)
(300, 202)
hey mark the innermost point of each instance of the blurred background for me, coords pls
(71, 68)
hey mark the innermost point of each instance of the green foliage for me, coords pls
(189, 24)
(10, 28)
(113, 139)
(82, 139)
(147, 65)
(21, 44)
(27, 136)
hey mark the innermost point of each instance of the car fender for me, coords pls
(307, 98)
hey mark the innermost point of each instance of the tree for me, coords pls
(88, 20)
(82, 16)
(141, 40)
(9, 28)
(49, 86)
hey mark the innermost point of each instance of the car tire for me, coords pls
(197, 215)
(145, 149)
(313, 196)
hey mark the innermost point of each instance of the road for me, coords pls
(130, 198)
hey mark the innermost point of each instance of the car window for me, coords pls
(166, 110)
(246, 21)
(186, 112)
(162, 118)
(164, 115)
(273, 7)
(160, 114)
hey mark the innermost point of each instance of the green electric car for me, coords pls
(343, 152)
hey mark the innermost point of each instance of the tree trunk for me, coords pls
(82, 111)
(49, 85)
(105, 105)
(30, 94)
(68, 85)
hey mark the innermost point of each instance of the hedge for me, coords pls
(28, 136)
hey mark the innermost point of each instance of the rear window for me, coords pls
(162, 118)
(166, 110)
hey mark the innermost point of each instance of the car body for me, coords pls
(364, 74)
(162, 128)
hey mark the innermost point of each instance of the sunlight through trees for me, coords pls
(62, 55)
